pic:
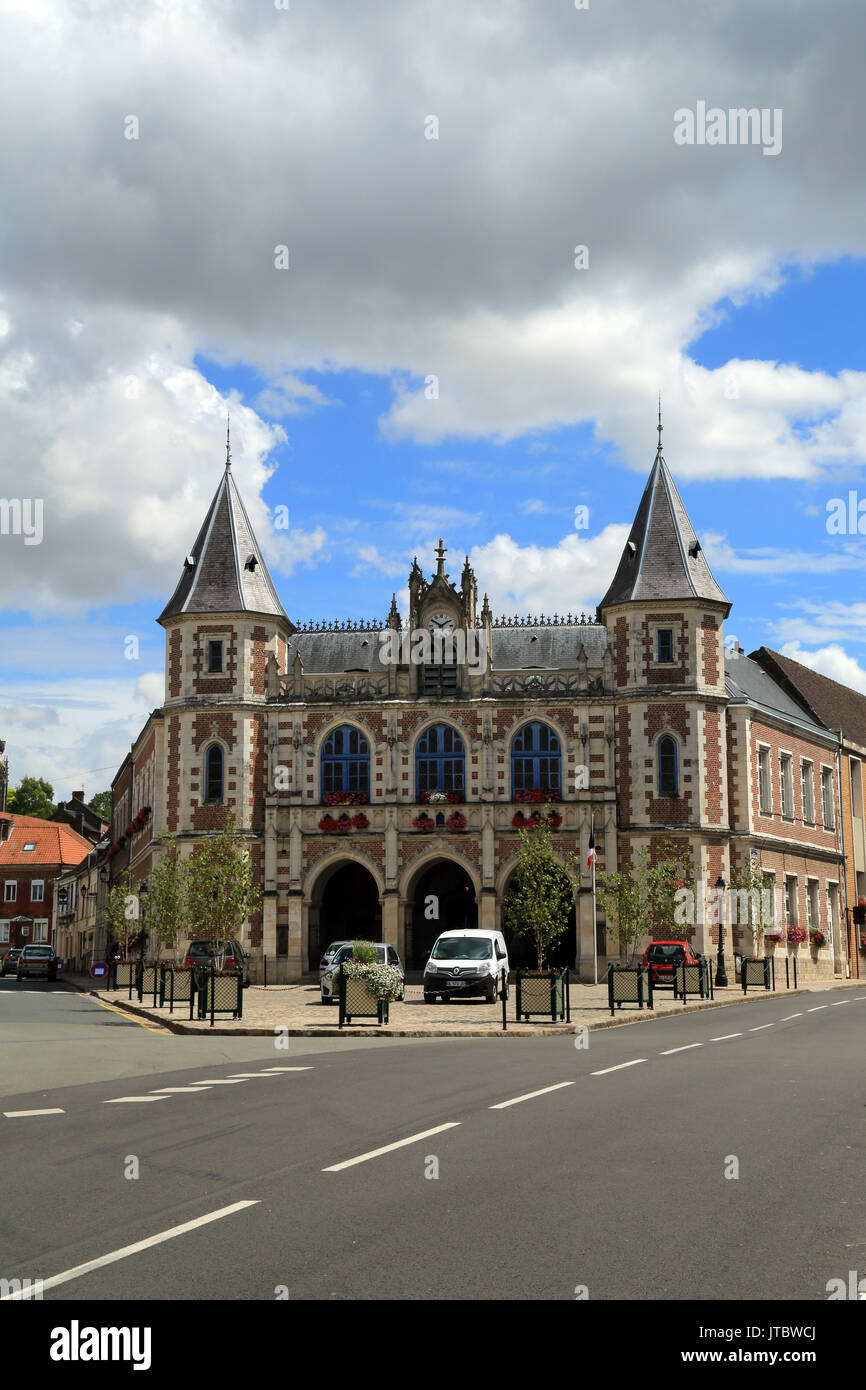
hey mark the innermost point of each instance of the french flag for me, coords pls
(591, 855)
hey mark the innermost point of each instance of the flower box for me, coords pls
(817, 938)
(339, 826)
(456, 821)
(423, 822)
(553, 820)
(436, 798)
(345, 799)
(536, 797)
(360, 822)
(796, 934)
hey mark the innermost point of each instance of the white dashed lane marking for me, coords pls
(530, 1095)
(760, 1027)
(671, 1050)
(788, 1017)
(389, 1148)
(133, 1100)
(620, 1067)
(725, 1036)
(816, 1008)
(19, 1114)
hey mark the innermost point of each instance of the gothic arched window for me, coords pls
(346, 762)
(214, 768)
(536, 760)
(439, 760)
(667, 767)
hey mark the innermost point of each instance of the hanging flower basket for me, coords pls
(796, 934)
(424, 822)
(456, 821)
(817, 939)
(774, 936)
(360, 822)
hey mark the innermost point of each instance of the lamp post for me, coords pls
(721, 972)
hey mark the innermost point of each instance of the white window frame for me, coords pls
(786, 762)
(827, 773)
(792, 900)
(813, 904)
(40, 896)
(765, 808)
(807, 784)
(13, 896)
(4, 932)
(40, 931)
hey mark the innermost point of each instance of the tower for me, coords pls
(664, 613)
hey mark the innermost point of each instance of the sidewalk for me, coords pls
(298, 1010)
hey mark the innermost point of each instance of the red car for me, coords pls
(663, 956)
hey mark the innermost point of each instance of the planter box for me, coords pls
(121, 974)
(357, 1000)
(177, 985)
(542, 992)
(220, 992)
(629, 984)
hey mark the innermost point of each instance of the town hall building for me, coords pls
(373, 778)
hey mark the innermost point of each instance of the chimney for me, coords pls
(78, 796)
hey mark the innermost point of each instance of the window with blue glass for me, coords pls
(214, 658)
(668, 774)
(439, 760)
(536, 760)
(665, 640)
(346, 762)
(214, 767)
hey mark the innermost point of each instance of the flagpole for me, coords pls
(594, 925)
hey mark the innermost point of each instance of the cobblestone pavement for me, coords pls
(298, 1008)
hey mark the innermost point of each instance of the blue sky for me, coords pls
(732, 283)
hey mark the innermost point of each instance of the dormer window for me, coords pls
(665, 646)
(29, 847)
(215, 658)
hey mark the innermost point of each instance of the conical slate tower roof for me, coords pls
(225, 571)
(662, 558)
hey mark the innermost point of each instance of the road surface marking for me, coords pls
(179, 1090)
(267, 1070)
(127, 1250)
(788, 1017)
(620, 1067)
(840, 1001)
(251, 1075)
(130, 1018)
(217, 1081)
(530, 1095)
(17, 1114)
(725, 1036)
(389, 1148)
(132, 1100)
(816, 1008)
(672, 1050)
(760, 1027)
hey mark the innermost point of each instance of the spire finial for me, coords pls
(228, 439)
(659, 449)
(440, 552)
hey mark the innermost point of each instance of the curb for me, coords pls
(521, 1030)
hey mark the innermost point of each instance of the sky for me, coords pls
(439, 258)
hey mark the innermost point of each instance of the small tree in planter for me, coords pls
(220, 891)
(755, 904)
(121, 914)
(380, 982)
(541, 894)
(165, 911)
(620, 896)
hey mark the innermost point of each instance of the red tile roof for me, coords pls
(55, 843)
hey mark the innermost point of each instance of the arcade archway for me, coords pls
(345, 905)
(522, 954)
(442, 899)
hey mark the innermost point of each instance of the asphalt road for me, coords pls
(615, 1180)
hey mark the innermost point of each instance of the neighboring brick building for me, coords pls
(844, 710)
(86, 822)
(624, 715)
(33, 853)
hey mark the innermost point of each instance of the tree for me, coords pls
(121, 913)
(643, 900)
(751, 903)
(541, 894)
(164, 913)
(620, 897)
(101, 804)
(32, 797)
(220, 890)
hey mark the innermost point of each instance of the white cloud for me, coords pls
(571, 576)
(832, 661)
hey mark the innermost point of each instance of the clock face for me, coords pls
(440, 622)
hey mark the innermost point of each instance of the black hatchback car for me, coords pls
(201, 953)
(10, 960)
(37, 961)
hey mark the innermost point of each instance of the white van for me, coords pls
(467, 962)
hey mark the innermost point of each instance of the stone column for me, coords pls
(391, 924)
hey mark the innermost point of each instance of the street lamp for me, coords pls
(721, 973)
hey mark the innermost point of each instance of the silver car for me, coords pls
(328, 957)
(387, 956)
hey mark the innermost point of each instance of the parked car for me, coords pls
(663, 956)
(37, 961)
(201, 953)
(467, 963)
(329, 956)
(9, 961)
(387, 956)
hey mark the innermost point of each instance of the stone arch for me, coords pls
(440, 891)
(520, 949)
(342, 900)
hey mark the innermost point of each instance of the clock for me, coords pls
(440, 622)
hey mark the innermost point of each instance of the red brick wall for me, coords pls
(174, 663)
(798, 746)
(204, 684)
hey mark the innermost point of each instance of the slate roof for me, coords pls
(553, 648)
(662, 558)
(835, 705)
(219, 581)
(746, 680)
